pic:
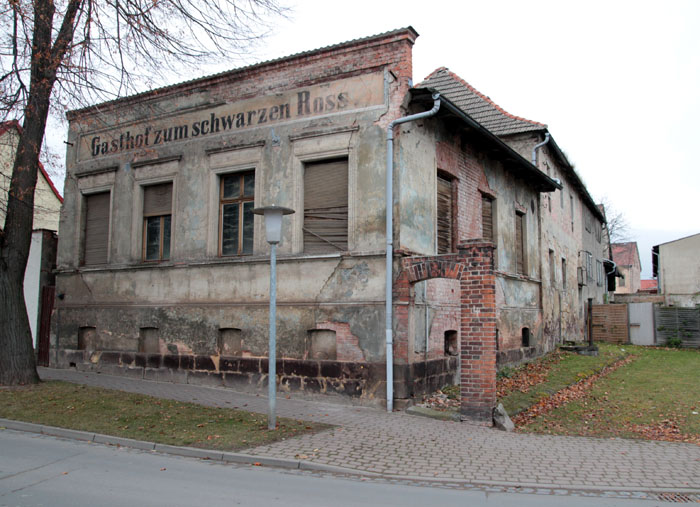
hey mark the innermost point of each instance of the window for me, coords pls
(599, 270)
(563, 273)
(552, 269)
(571, 201)
(598, 231)
(589, 265)
(445, 224)
(157, 210)
(96, 239)
(520, 266)
(561, 198)
(326, 206)
(487, 218)
(236, 195)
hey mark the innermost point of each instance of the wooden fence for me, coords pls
(610, 323)
(683, 323)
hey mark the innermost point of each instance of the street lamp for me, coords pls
(273, 232)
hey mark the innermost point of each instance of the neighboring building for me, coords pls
(648, 286)
(572, 251)
(676, 266)
(626, 256)
(164, 269)
(47, 207)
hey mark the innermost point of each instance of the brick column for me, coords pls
(478, 326)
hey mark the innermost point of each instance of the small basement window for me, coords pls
(149, 342)
(87, 338)
(451, 345)
(526, 337)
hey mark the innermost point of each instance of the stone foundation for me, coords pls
(357, 382)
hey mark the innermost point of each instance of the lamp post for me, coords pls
(273, 232)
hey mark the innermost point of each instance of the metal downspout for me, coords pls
(538, 146)
(390, 243)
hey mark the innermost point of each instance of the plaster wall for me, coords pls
(337, 105)
(427, 148)
(680, 271)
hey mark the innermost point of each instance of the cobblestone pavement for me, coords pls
(397, 444)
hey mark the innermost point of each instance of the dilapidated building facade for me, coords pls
(163, 268)
(570, 249)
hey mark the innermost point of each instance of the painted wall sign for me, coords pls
(338, 96)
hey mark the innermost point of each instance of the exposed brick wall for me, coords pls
(461, 163)
(473, 267)
(348, 346)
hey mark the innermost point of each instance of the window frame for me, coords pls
(161, 226)
(240, 201)
(521, 247)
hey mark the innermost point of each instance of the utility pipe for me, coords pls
(537, 146)
(390, 243)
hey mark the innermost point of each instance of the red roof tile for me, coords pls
(625, 254)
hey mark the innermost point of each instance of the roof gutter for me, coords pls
(548, 184)
(390, 243)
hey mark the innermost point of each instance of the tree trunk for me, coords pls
(17, 361)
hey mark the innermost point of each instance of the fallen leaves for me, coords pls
(527, 376)
(574, 392)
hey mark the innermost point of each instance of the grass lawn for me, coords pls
(656, 396)
(543, 377)
(144, 417)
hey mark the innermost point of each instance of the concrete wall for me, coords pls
(679, 271)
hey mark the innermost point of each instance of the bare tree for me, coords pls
(617, 226)
(71, 53)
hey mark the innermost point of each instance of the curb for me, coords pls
(251, 459)
(189, 452)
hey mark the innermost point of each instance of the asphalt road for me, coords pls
(37, 470)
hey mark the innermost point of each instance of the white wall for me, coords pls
(31, 283)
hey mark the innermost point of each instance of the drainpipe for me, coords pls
(537, 146)
(390, 243)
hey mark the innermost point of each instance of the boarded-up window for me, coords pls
(444, 215)
(520, 242)
(96, 228)
(326, 206)
(157, 209)
(552, 273)
(487, 218)
(236, 195)
(563, 274)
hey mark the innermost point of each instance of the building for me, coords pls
(47, 207)
(626, 256)
(676, 266)
(571, 247)
(163, 270)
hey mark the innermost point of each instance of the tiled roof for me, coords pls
(477, 105)
(625, 254)
(647, 284)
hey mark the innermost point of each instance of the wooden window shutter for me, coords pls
(519, 244)
(444, 215)
(158, 199)
(326, 206)
(487, 218)
(96, 228)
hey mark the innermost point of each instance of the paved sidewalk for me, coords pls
(397, 444)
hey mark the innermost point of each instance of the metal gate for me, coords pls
(47, 297)
(641, 317)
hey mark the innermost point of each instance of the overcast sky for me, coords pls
(617, 83)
